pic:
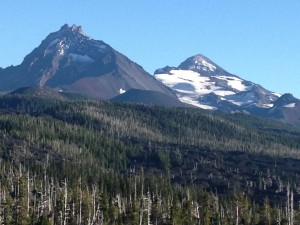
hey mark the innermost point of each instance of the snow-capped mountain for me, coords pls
(69, 60)
(200, 82)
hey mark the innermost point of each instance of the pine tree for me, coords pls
(176, 216)
(207, 213)
(265, 215)
(21, 204)
(43, 220)
(7, 220)
(134, 214)
(187, 212)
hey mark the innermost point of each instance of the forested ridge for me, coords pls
(92, 162)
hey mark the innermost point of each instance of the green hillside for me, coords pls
(91, 162)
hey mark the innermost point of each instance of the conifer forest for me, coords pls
(77, 161)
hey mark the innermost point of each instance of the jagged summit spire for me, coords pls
(199, 63)
(73, 28)
(66, 29)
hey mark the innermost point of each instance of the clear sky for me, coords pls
(258, 40)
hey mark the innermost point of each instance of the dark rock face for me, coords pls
(286, 108)
(69, 60)
(285, 100)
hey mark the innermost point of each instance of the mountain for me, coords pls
(201, 82)
(69, 60)
(147, 97)
(286, 108)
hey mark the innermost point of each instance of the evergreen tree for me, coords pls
(176, 214)
(265, 216)
(43, 220)
(22, 217)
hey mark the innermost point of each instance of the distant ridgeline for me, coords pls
(70, 61)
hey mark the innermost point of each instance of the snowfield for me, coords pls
(291, 105)
(191, 87)
(234, 82)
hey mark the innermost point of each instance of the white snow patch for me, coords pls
(200, 62)
(236, 103)
(190, 86)
(234, 82)
(61, 48)
(183, 91)
(277, 94)
(190, 101)
(81, 58)
(122, 91)
(188, 77)
(224, 93)
(190, 82)
(210, 66)
(291, 105)
(61, 51)
(267, 105)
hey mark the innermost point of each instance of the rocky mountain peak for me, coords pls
(70, 61)
(71, 29)
(199, 63)
(202, 83)
(286, 100)
(74, 28)
(69, 51)
(65, 37)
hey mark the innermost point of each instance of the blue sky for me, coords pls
(256, 40)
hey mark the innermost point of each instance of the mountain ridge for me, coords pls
(68, 60)
(71, 61)
(201, 82)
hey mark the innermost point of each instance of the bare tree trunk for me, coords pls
(141, 216)
(292, 208)
(94, 204)
(149, 207)
(288, 205)
(28, 191)
(80, 201)
(237, 214)
(50, 195)
(65, 202)
(89, 219)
